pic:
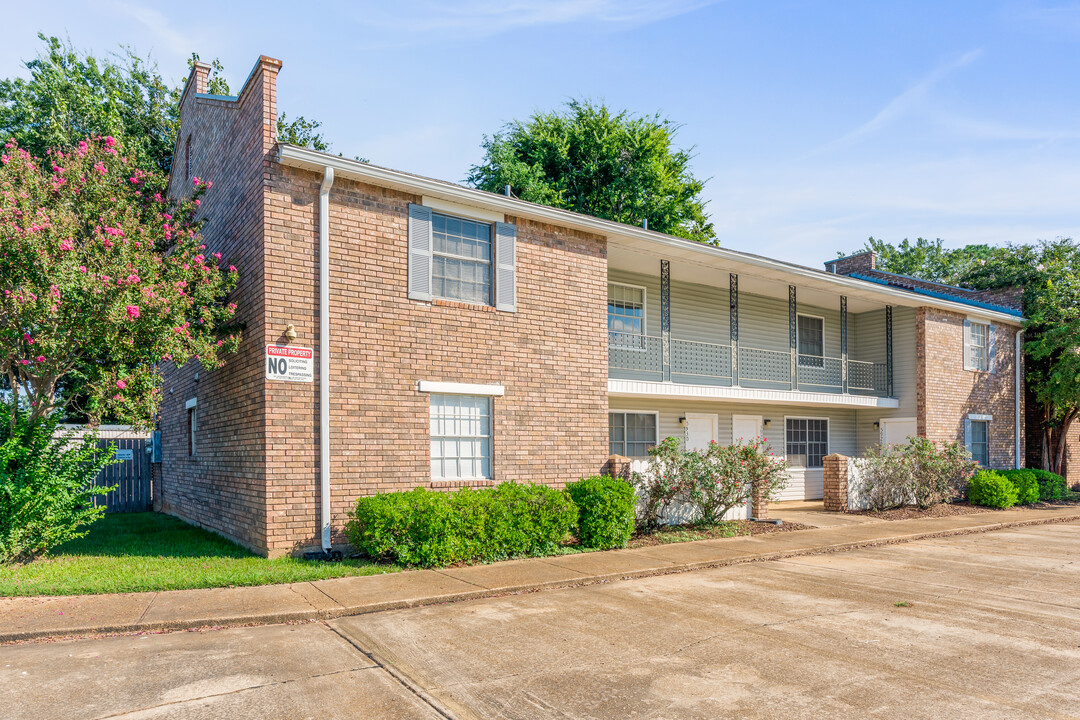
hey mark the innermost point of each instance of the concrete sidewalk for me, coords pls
(44, 617)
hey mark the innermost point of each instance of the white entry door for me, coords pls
(745, 427)
(701, 429)
(896, 431)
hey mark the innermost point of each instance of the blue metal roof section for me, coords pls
(942, 296)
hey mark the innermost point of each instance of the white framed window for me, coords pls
(806, 441)
(461, 434)
(626, 316)
(192, 407)
(631, 434)
(461, 259)
(811, 340)
(978, 346)
(977, 438)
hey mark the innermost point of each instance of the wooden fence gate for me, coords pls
(131, 476)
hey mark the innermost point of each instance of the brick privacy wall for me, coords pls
(223, 487)
(551, 425)
(835, 473)
(947, 393)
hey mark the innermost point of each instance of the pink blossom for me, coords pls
(217, 256)
(132, 312)
(198, 202)
(82, 268)
(40, 359)
(117, 397)
(100, 167)
(24, 362)
(66, 245)
(29, 340)
(195, 180)
(232, 268)
(121, 384)
(110, 141)
(132, 279)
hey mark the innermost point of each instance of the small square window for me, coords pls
(631, 434)
(807, 441)
(461, 437)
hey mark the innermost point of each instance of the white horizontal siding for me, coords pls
(871, 347)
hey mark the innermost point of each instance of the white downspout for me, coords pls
(1017, 361)
(324, 354)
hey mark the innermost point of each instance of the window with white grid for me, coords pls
(807, 442)
(626, 316)
(979, 339)
(631, 434)
(461, 259)
(460, 437)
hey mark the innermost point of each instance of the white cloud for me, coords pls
(902, 103)
(485, 18)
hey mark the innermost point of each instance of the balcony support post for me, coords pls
(793, 335)
(888, 352)
(843, 345)
(665, 316)
(733, 314)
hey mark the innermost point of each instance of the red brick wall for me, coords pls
(550, 427)
(223, 487)
(947, 392)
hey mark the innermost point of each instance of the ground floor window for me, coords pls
(807, 442)
(978, 441)
(631, 434)
(460, 437)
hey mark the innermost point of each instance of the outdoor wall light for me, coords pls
(766, 423)
(877, 425)
(290, 332)
(682, 420)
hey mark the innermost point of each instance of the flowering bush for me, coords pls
(724, 476)
(661, 484)
(712, 481)
(922, 473)
(102, 279)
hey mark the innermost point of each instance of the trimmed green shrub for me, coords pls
(429, 528)
(1051, 485)
(606, 508)
(992, 489)
(46, 486)
(1026, 483)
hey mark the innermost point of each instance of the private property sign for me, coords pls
(291, 364)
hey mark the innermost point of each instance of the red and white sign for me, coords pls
(290, 364)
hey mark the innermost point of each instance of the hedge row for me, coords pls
(429, 528)
(1005, 488)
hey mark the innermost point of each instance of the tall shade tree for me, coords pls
(591, 160)
(70, 95)
(101, 280)
(1049, 273)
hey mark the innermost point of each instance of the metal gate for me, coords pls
(131, 476)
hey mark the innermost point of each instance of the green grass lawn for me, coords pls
(134, 552)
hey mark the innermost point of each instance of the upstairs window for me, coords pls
(811, 331)
(626, 316)
(807, 442)
(461, 259)
(977, 345)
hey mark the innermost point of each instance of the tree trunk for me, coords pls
(1061, 444)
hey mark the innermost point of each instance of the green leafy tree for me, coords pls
(930, 259)
(591, 160)
(101, 280)
(70, 95)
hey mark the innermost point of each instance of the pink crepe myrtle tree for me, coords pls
(101, 281)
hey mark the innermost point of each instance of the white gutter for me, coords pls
(1017, 360)
(324, 354)
(295, 156)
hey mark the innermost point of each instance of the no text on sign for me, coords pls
(290, 363)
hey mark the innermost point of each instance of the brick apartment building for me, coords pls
(461, 338)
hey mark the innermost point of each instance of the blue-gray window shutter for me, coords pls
(991, 339)
(967, 434)
(505, 267)
(420, 243)
(969, 362)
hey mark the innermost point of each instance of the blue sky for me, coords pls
(817, 123)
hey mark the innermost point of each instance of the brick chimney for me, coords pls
(862, 262)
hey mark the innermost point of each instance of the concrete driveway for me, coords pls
(990, 629)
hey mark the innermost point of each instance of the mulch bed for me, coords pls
(687, 533)
(957, 508)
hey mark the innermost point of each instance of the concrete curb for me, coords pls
(345, 610)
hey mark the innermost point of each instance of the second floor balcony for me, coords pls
(644, 357)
